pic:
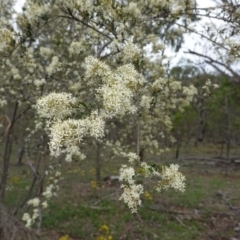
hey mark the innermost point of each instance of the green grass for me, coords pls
(80, 210)
(78, 219)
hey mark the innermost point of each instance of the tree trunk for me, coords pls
(141, 155)
(7, 153)
(98, 163)
(178, 146)
(20, 155)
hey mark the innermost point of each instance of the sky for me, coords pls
(19, 4)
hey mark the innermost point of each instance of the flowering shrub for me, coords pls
(83, 65)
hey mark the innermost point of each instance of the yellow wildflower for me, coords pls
(94, 184)
(65, 237)
(104, 228)
(148, 195)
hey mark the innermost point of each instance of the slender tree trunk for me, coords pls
(228, 128)
(20, 155)
(228, 149)
(201, 123)
(7, 153)
(221, 150)
(178, 146)
(98, 163)
(141, 154)
(138, 138)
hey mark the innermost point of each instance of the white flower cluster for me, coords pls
(73, 151)
(95, 68)
(30, 60)
(118, 88)
(68, 133)
(117, 99)
(51, 190)
(78, 5)
(131, 191)
(116, 147)
(131, 196)
(208, 88)
(148, 171)
(133, 157)
(95, 125)
(171, 178)
(37, 203)
(46, 52)
(75, 48)
(30, 220)
(175, 6)
(34, 11)
(146, 101)
(130, 77)
(177, 96)
(6, 38)
(39, 82)
(15, 73)
(34, 202)
(133, 10)
(127, 174)
(131, 51)
(3, 102)
(27, 218)
(54, 66)
(55, 105)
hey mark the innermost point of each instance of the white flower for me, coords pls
(54, 66)
(57, 174)
(39, 82)
(6, 37)
(148, 170)
(131, 51)
(66, 133)
(35, 214)
(96, 125)
(75, 48)
(26, 217)
(171, 178)
(131, 196)
(117, 99)
(29, 223)
(133, 157)
(145, 102)
(127, 174)
(79, 5)
(45, 204)
(3, 102)
(95, 67)
(34, 11)
(45, 52)
(48, 193)
(57, 105)
(35, 202)
(133, 10)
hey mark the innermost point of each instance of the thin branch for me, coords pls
(211, 61)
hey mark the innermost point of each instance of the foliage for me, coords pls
(80, 75)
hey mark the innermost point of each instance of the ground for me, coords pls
(208, 209)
